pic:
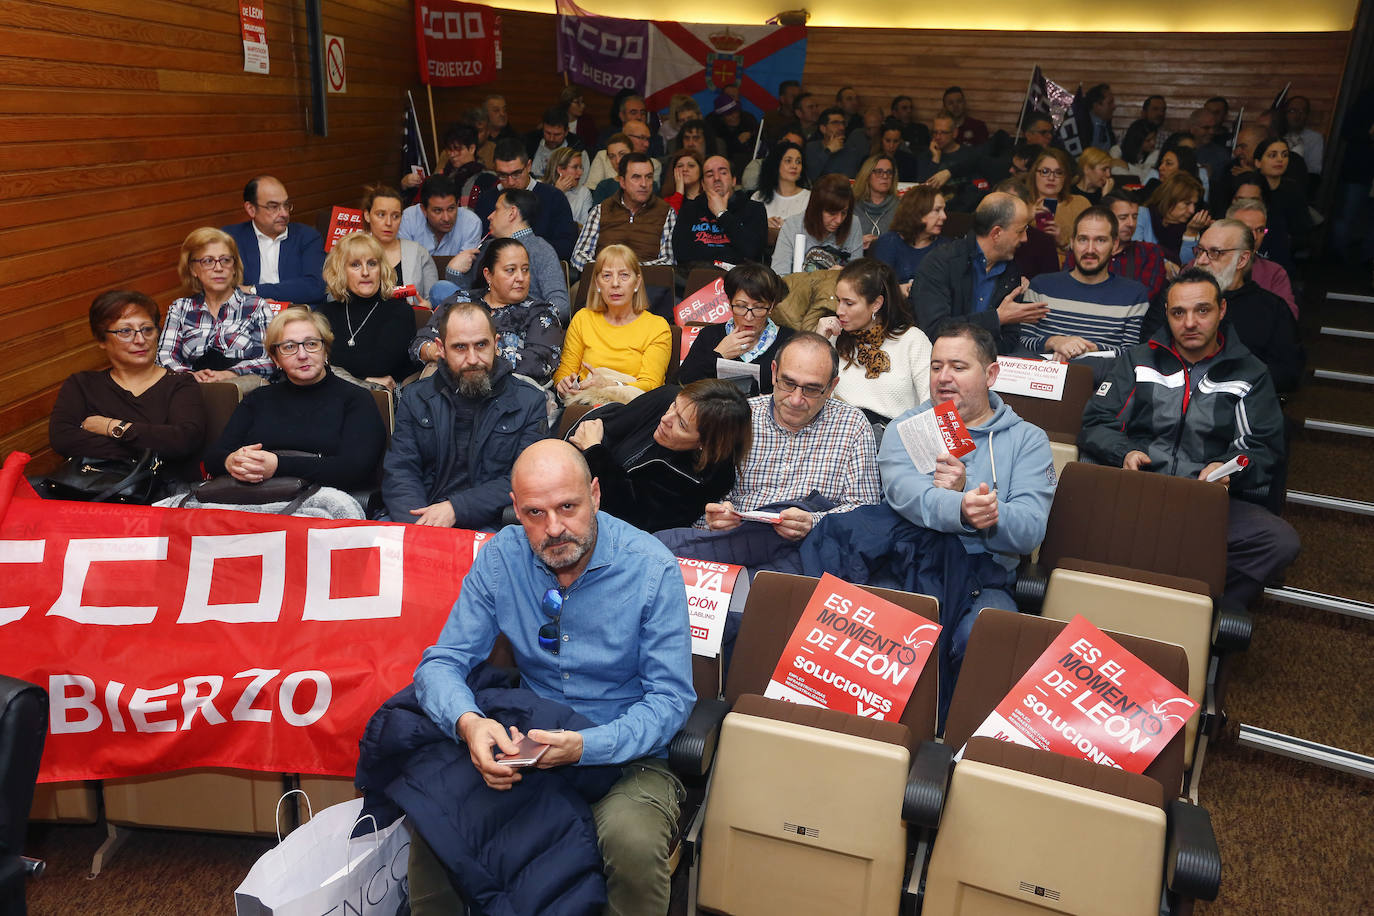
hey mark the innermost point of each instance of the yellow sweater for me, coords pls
(640, 348)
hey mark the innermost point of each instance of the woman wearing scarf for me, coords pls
(884, 357)
(750, 336)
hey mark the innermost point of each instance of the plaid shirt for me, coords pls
(834, 454)
(192, 329)
(588, 243)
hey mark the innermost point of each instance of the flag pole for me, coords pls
(419, 134)
(433, 125)
(1020, 118)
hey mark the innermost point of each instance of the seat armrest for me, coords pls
(508, 517)
(1193, 864)
(926, 784)
(1233, 628)
(1032, 580)
(692, 749)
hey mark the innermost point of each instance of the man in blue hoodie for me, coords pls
(997, 499)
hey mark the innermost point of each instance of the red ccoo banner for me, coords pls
(173, 638)
(458, 44)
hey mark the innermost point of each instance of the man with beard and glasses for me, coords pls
(1093, 315)
(459, 431)
(596, 615)
(1261, 320)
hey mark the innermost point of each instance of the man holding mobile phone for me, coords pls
(596, 614)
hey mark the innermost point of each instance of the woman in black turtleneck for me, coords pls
(310, 423)
(372, 331)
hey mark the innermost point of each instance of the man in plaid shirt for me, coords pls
(635, 217)
(811, 456)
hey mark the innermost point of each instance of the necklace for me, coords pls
(352, 334)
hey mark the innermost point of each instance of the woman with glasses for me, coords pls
(1050, 180)
(681, 178)
(916, 230)
(133, 405)
(376, 329)
(665, 455)
(750, 336)
(615, 348)
(828, 223)
(564, 172)
(875, 196)
(216, 332)
(311, 424)
(884, 357)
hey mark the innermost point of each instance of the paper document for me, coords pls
(1031, 377)
(933, 431)
(733, 368)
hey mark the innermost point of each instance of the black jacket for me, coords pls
(642, 482)
(944, 289)
(513, 417)
(737, 235)
(1265, 325)
(700, 362)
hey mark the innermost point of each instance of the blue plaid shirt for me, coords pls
(237, 332)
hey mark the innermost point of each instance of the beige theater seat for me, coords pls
(804, 811)
(67, 802)
(224, 801)
(1029, 831)
(1163, 608)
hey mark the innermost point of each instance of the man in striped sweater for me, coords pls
(1093, 314)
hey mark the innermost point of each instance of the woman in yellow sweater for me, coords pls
(615, 332)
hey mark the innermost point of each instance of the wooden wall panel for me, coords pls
(124, 126)
(993, 68)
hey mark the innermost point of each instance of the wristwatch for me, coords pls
(120, 429)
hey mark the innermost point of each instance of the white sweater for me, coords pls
(900, 388)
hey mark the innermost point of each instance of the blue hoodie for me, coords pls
(1011, 456)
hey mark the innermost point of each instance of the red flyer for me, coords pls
(342, 221)
(708, 305)
(854, 652)
(689, 337)
(930, 432)
(1087, 697)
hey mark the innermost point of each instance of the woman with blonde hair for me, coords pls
(565, 170)
(1095, 174)
(216, 332)
(875, 196)
(374, 328)
(615, 347)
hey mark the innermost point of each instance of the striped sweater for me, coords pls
(1109, 313)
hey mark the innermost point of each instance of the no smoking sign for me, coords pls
(335, 73)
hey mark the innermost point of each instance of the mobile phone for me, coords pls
(1051, 204)
(527, 755)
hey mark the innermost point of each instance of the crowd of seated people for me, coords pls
(852, 306)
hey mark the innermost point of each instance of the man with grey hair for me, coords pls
(975, 278)
(459, 431)
(1258, 317)
(1266, 271)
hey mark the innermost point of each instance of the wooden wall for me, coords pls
(125, 125)
(994, 67)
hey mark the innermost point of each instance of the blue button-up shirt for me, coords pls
(984, 280)
(625, 655)
(465, 234)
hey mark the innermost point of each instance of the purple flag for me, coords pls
(604, 53)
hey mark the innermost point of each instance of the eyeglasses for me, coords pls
(810, 392)
(549, 635)
(1213, 254)
(127, 334)
(277, 206)
(207, 263)
(1050, 173)
(640, 137)
(753, 311)
(507, 176)
(289, 347)
(882, 173)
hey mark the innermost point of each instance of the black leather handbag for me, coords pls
(105, 480)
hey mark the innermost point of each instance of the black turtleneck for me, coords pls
(380, 341)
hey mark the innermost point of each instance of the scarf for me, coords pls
(868, 351)
(766, 338)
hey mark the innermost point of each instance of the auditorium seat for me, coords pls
(1061, 420)
(221, 400)
(1022, 830)
(804, 813)
(699, 277)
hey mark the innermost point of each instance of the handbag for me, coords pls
(319, 869)
(229, 491)
(105, 480)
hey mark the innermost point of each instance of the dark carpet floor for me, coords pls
(1295, 838)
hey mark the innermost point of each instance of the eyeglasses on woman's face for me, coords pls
(309, 345)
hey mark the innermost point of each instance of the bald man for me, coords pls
(596, 614)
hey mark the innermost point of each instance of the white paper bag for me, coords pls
(317, 869)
